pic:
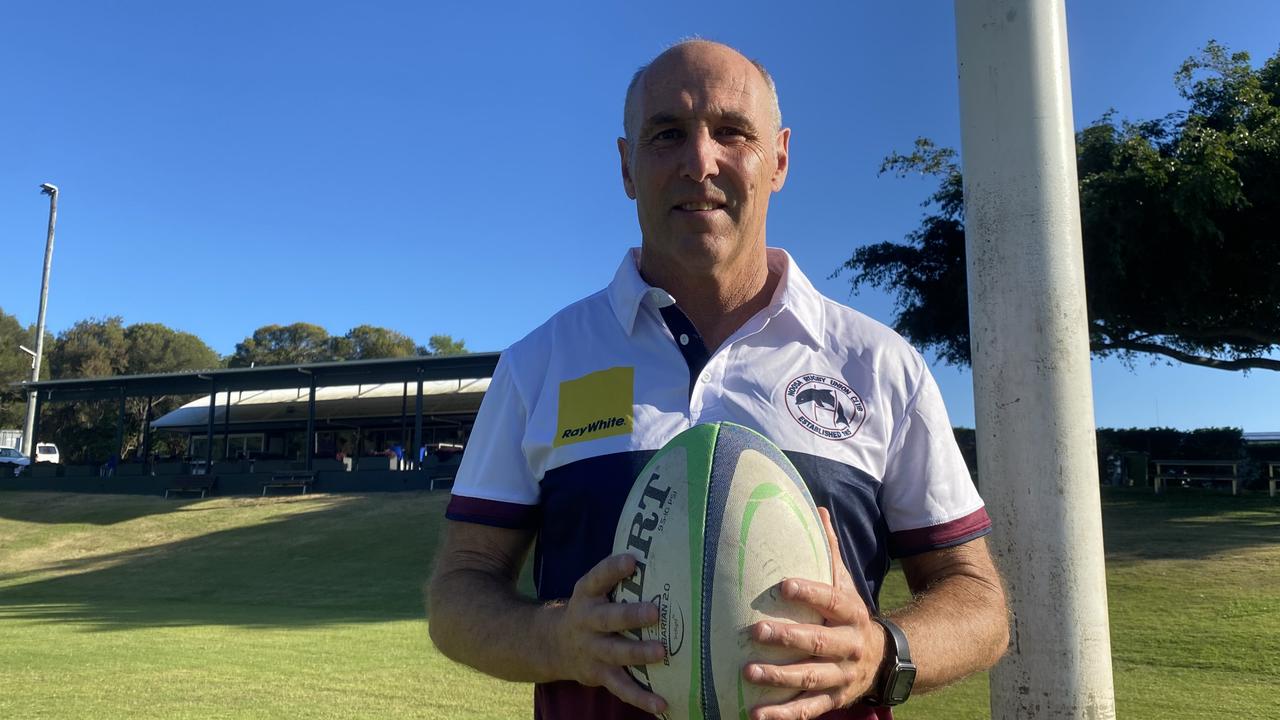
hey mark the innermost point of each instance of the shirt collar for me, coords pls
(794, 296)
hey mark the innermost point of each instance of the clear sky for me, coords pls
(451, 168)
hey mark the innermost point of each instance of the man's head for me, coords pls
(703, 152)
(629, 121)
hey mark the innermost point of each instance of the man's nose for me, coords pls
(700, 156)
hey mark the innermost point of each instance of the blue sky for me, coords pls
(451, 169)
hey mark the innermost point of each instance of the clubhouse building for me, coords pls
(366, 425)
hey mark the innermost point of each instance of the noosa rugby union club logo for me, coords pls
(825, 406)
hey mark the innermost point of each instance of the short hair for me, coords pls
(628, 104)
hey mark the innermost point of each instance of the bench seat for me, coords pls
(290, 478)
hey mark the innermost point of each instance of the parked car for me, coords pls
(47, 452)
(9, 456)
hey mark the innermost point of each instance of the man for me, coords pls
(704, 323)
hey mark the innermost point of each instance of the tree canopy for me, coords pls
(307, 343)
(446, 345)
(1178, 218)
(283, 345)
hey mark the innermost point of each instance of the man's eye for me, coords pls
(731, 132)
(668, 134)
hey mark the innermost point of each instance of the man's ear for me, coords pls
(624, 155)
(782, 150)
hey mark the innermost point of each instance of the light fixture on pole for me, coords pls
(27, 441)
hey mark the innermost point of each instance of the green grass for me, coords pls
(139, 607)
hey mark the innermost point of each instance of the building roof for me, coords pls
(1261, 437)
(275, 377)
(345, 402)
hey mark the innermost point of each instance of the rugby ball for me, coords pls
(717, 518)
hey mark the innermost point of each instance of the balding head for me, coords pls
(695, 52)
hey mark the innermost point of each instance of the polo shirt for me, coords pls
(577, 407)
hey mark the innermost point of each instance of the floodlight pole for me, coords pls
(28, 426)
(1030, 340)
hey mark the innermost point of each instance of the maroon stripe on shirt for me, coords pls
(934, 537)
(491, 512)
(571, 701)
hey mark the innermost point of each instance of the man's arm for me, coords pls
(956, 624)
(957, 621)
(478, 618)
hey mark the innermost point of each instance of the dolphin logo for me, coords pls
(825, 399)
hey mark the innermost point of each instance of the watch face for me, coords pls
(904, 677)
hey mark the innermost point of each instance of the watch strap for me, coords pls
(897, 675)
(900, 646)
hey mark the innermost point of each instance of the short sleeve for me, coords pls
(928, 499)
(494, 485)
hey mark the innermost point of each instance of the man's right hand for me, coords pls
(588, 648)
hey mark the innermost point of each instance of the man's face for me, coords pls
(705, 158)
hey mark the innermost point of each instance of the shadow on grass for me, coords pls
(334, 559)
(1185, 523)
(53, 508)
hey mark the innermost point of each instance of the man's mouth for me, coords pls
(699, 206)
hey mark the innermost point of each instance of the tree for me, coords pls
(89, 349)
(444, 345)
(86, 431)
(1178, 218)
(157, 348)
(284, 345)
(366, 342)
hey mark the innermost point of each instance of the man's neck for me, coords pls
(720, 302)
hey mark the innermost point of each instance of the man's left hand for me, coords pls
(845, 652)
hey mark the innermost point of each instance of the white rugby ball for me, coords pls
(717, 518)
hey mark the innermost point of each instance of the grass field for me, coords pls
(140, 607)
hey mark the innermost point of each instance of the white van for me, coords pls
(47, 453)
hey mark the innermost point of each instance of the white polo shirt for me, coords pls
(578, 406)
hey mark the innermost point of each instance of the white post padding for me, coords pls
(1037, 457)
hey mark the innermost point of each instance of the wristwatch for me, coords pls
(897, 673)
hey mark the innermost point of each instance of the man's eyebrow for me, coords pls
(662, 118)
(732, 117)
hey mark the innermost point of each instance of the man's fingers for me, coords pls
(600, 579)
(618, 650)
(801, 676)
(625, 688)
(837, 642)
(616, 617)
(803, 707)
(838, 606)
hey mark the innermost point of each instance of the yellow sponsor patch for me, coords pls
(595, 406)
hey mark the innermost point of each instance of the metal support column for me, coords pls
(226, 427)
(1030, 342)
(311, 424)
(119, 451)
(213, 405)
(146, 431)
(355, 452)
(35, 416)
(417, 427)
(404, 411)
